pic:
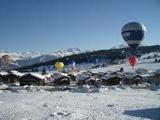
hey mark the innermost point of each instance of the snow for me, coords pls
(3, 73)
(30, 57)
(130, 75)
(16, 73)
(111, 103)
(107, 76)
(84, 103)
(152, 54)
(150, 66)
(3, 86)
(82, 77)
(57, 75)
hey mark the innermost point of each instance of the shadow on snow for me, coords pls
(150, 113)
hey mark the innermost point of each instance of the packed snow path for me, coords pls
(107, 104)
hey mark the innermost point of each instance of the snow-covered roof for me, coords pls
(57, 75)
(92, 78)
(3, 73)
(73, 73)
(48, 75)
(63, 74)
(16, 73)
(145, 75)
(130, 75)
(107, 76)
(157, 71)
(37, 75)
(82, 77)
(141, 71)
(101, 73)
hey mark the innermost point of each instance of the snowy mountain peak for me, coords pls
(74, 50)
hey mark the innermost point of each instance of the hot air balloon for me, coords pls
(133, 33)
(6, 59)
(72, 63)
(59, 66)
(132, 60)
(95, 61)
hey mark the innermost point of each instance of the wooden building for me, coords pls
(81, 79)
(156, 77)
(32, 79)
(132, 78)
(3, 75)
(63, 80)
(13, 76)
(108, 79)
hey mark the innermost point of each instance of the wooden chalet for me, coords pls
(32, 79)
(3, 77)
(81, 79)
(108, 79)
(63, 80)
(93, 81)
(132, 78)
(156, 77)
(13, 76)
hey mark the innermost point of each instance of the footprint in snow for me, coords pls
(110, 105)
(60, 114)
(45, 105)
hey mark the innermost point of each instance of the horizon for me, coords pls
(47, 52)
(50, 26)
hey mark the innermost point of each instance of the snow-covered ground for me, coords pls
(105, 103)
(108, 103)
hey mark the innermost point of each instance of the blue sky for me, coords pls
(51, 25)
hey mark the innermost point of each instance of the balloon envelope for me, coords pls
(132, 60)
(59, 66)
(95, 61)
(133, 33)
(6, 59)
(72, 63)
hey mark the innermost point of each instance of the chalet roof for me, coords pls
(48, 75)
(37, 75)
(157, 71)
(108, 76)
(92, 78)
(130, 75)
(101, 73)
(73, 73)
(141, 71)
(3, 73)
(146, 75)
(16, 73)
(82, 77)
(63, 74)
(57, 75)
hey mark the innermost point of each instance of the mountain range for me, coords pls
(20, 59)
